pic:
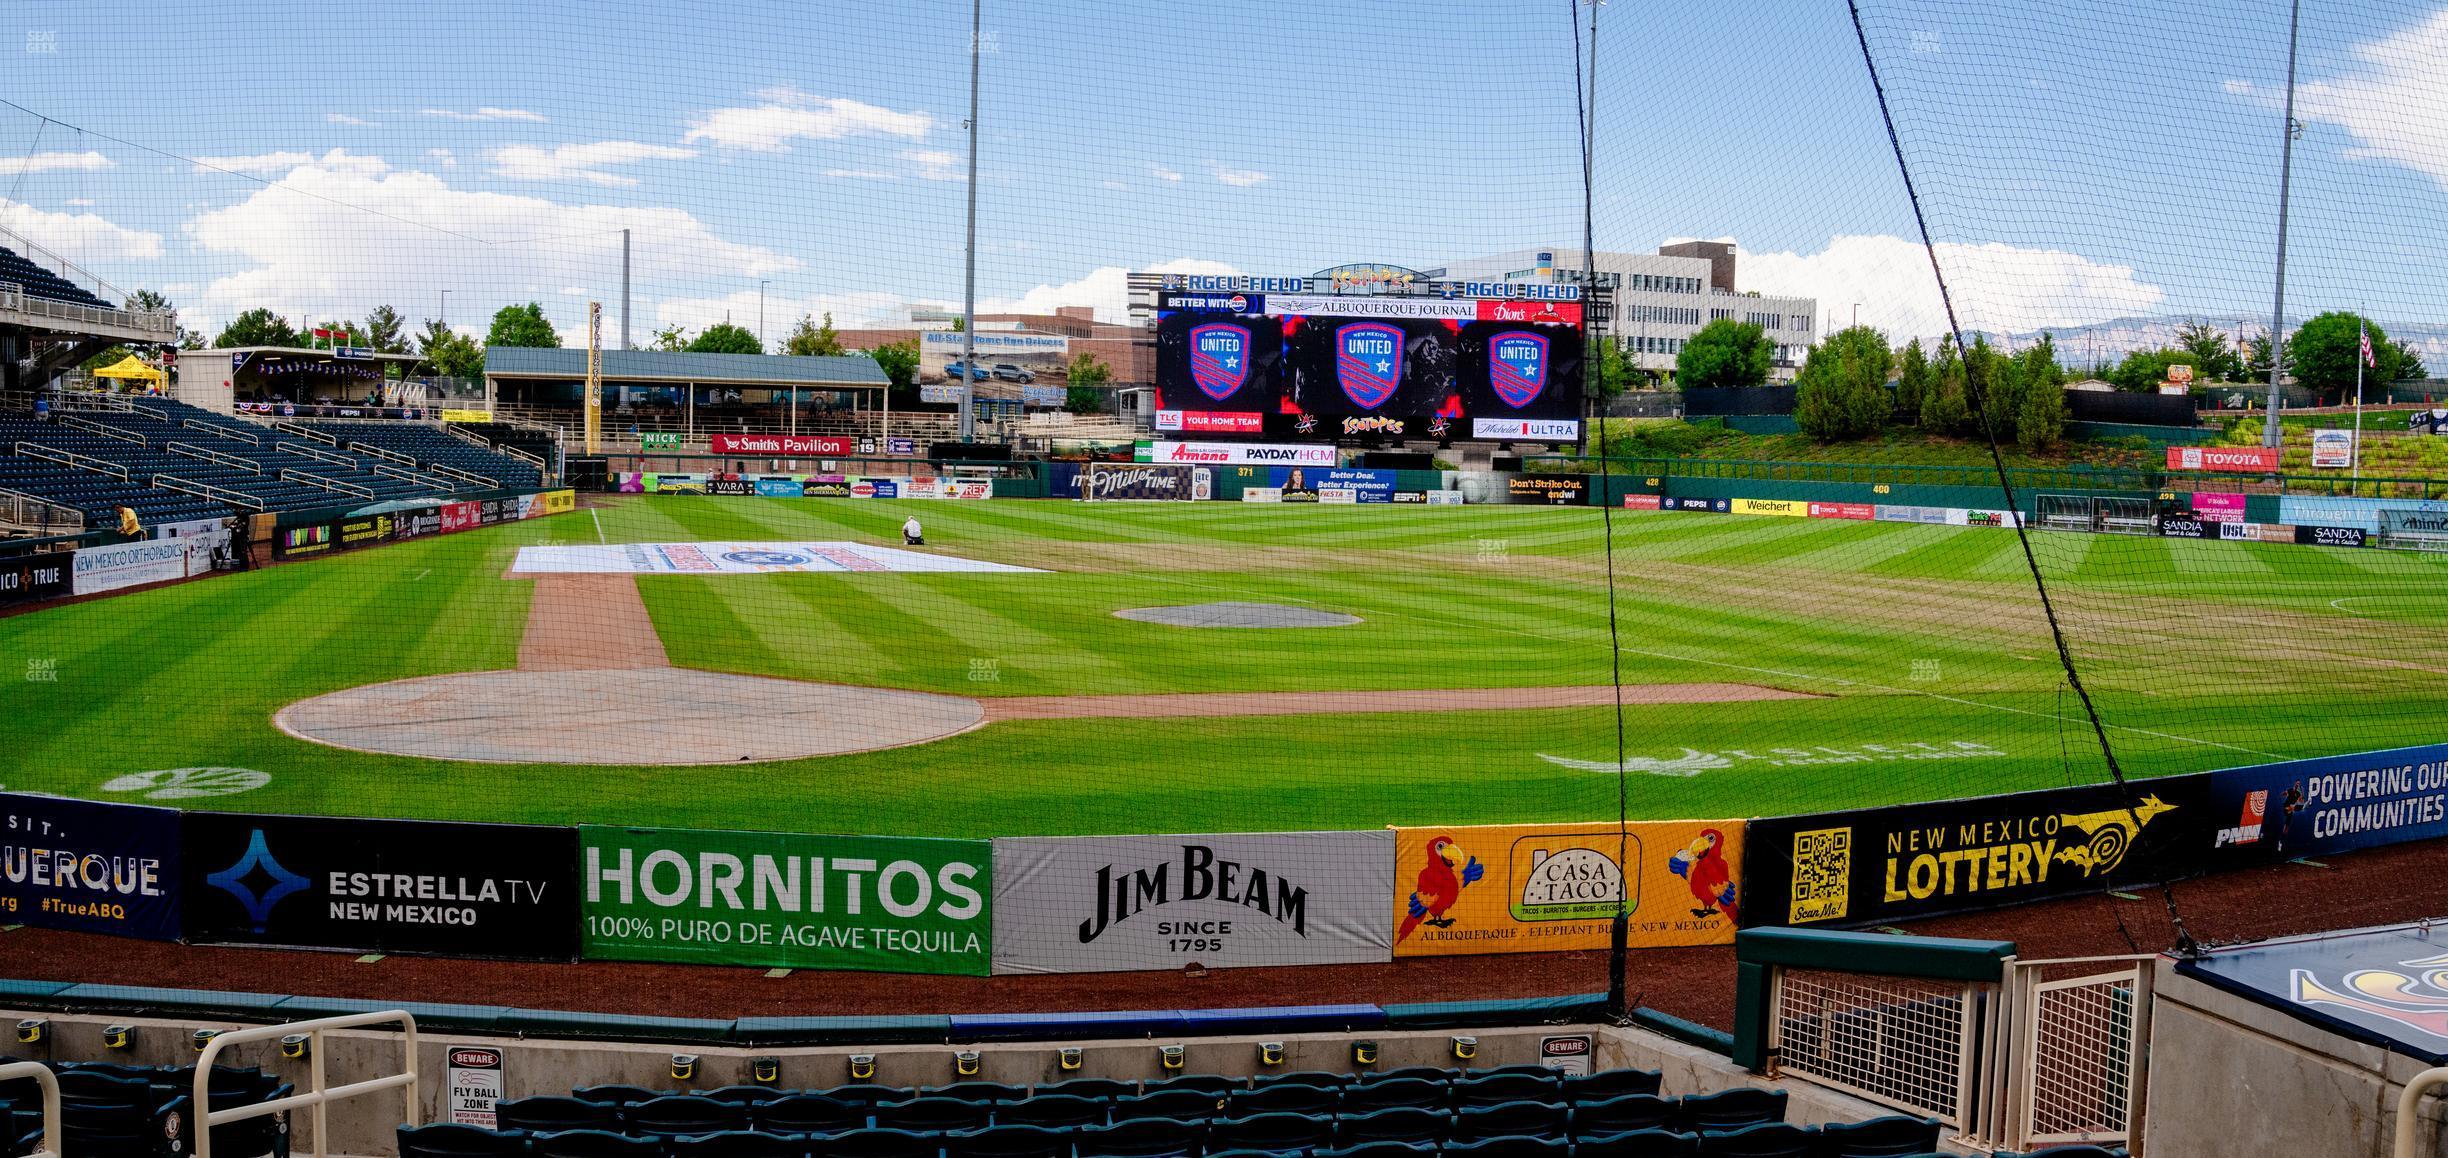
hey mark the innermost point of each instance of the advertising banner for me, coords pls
(890, 904)
(392, 886)
(1720, 506)
(1103, 903)
(1210, 422)
(945, 394)
(1889, 513)
(2332, 536)
(2333, 449)
(417, 523)
(2234, 458)
(730, 485)
(781, 445)
(1881, 865)
(363, 531)
(2173, 527)
(449, 415)
(1006, 360)
(1536, 888)
(1100, 481)
(2236, 532)
(461, 516)
(89, 867)
(1557, 490)
(2218, 508)
(1243, 454)
(1842, 511)
(98, 569)
(1527, 429)
(1976, 517)
(2336, 511)
(1301, 484)
(781, 488)
(42, 575)
(2331, 803)
(1788, 508)
(560, 502)
(1643, 503)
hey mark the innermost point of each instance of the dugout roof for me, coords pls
(747, 371)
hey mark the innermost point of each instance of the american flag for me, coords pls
(2368, 360)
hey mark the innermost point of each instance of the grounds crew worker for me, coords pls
(911, 534)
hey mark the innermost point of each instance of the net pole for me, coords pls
(2270, 432)
(968, 393)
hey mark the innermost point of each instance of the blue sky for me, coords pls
(2081, 160)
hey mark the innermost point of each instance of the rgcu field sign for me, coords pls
(895, 904)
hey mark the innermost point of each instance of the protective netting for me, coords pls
(1616, 565)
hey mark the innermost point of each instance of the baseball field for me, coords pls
(1770, 665)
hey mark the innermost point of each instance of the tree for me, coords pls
(522, 326)
(1725, 353)
(2040, 414)
(2257, 358)
(1612, 372)
(382, 331)
(725, 338)
(2142, 371)
(2409, 360)
(1087, 375)
(1912, 381)
(1841, 392)
(899, 361)
(1993, 386)
(2326, 351)
(148, 301)
(671, 339)
(807, 338)
(450, 353)
(256, 327)
(2213, 357)
(1943, 408)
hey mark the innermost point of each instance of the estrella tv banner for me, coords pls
(1537, 888)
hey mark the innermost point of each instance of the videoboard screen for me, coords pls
(1373, 366)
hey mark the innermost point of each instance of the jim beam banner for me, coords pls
(895, 904)
(1538, 888)
(1879, 865)
(1102, 903)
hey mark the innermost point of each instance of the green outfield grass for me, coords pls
(1935, 672)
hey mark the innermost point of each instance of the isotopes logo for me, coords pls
(1368, 362)
(1517, 367)
(1219, 358)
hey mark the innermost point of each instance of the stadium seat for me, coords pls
(1760, 1140)
(595, 1144)
(1640, 1144)
(932, 1114)
(1510, 1146)
(1284, 1098)
(743, 1095)
(676, 1117)
(2082, 1150)
(1139, 1138)
(619, 1095)
(1274, 1133)
(1057, 1111)
(1422, 1073)
(808, 1114)
(867, 1094)
(988, 1092)
(1381, 1150)
(450, 1140)
(1617, 1115)
(1730, 1109)
(1216, 1084)
(1533, 1069)
(1302, 1078)
(736, 1144)
(1886, 1137)
(1606, 1084)
(1405, 1124)
(1399, 1092)
(552, 1114)
(1180, 1105)
(1525, 1119)
(880, 1144)
(1101, 1089)
(1009, 1142)
(1497, 1089)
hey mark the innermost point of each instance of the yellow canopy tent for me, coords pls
(131, 367)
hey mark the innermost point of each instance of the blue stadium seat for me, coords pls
(1422, 1073)
(1729, 1109)
(676, 1117)
(1497, 1089)
(743, 1095)
(1180, 1105)
(879, 1144)
(1405, 1124)
(1606, 1084)
(1510, 1146)
(1640, 1144)
(1273, 1133)
(1009, 1142)
(932, 1114)
(595, 1144)
(552, 1113)
(1381, 1150)
(737, 1144)
(1511, 1119)
(618, 1095)
(1887, 1137)
(989, 1092)
(1140, 1138)
(1216, 1084)
(867, 1094)
(1760, 1140)
(450, 1140)
(1399, 1092)
(1284, 1098)
(1617, 1115)
(1302, 1078)
(1103, 1089)
(1058, 1111)
(809, 1114)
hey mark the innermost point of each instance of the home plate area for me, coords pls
(735, 558)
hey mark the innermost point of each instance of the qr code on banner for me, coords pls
(1822, 864)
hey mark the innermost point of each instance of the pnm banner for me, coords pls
(1878, 865)
(1101, 903)
(895, 904)
(1537, 888)
(397, 886)
(2331, 803)
(94, 868)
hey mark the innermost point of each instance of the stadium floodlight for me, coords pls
(2272, 433)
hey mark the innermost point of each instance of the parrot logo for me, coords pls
(1702, 865)
(1440, 884)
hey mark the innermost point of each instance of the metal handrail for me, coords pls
(207, 491)
(53, 1140)
(314, 480)
(315, 1096)
(52, 512)
(306, 432)
(2409, 1107)
(213, 456)
(71, 458)
(92, 427)
(316, 454)
(462, 475)
(223, 431)
(379, 452)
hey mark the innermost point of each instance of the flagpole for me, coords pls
(2362, 353)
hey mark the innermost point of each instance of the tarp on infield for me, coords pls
(1103, 903)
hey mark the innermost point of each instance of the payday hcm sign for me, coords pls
(1536, 888)
(893, 904)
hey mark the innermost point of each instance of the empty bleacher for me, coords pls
(433, 446)
(17, 269)
(1498, 1113)
(127, 1111)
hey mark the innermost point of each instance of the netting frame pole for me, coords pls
(2272, 431)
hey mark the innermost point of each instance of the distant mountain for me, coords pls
(2113, 339)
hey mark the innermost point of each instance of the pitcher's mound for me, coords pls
(635, 716)
(1238, 615)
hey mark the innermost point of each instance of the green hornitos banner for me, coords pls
(896, 904)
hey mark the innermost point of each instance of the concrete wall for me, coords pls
(530, 1067)
(2233, 1077)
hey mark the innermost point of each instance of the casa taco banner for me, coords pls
(1538, 888)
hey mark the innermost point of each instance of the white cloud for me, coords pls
(581, 162)
(1241, 178)
(863, 174)
(47, 162)
(1997, 288)
(1106, 287)
(789, 114)
(302, 248)
(345, 119)
(935, 164)
(80, 201)
(868, 309)
(84, 238)
(487, 113)
(274, 162)
(2395, 103)
(1164, 174)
